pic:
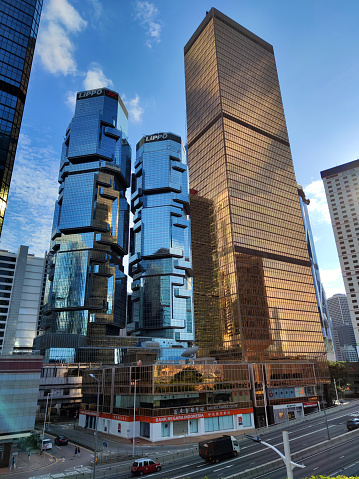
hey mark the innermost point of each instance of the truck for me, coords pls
(213, 450)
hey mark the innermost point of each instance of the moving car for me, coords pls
(46, 444)
(144, 466)
(353, 423)
(61, 441)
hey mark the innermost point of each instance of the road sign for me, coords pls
(138, 441)
(104, 444)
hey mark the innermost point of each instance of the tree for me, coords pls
(338, 372)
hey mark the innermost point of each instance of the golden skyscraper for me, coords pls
(262, 304)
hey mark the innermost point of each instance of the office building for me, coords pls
(21, 276)
(193, 399)
(240, 162)
(86, 290)
(19, 389)
(19, 22)
(342, 192)
(160, 261)
(344, 337)
(325, 320)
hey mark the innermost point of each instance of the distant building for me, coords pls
(341, 185)
(160, 261)
(86, 289)
(19, 389)
(19, 22)
(344, 337)
(21, 278)
(325, 319)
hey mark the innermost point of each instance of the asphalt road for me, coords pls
(301, 435)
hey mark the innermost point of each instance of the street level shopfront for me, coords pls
(161, 428)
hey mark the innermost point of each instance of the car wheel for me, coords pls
(141, 473)
(158, 468)
(235, 453)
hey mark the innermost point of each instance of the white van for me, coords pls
(46, 444)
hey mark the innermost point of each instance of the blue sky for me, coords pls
(136, 48)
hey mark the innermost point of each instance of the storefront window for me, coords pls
(165, 429)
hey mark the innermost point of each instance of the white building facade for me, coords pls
(21, 281)
(341, 185)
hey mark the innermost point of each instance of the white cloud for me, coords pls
(54, 44)
(147, 15)
(33, 192)
(61, 11)
(332, 280)
(134, 108)
(97, 8)
(318, 207)
(95, 78)
(71, 99)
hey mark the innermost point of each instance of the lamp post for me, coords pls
(134, 419)
(97, 418)
(286, 456)
(43, 429)
(321, 391)
(336, 391)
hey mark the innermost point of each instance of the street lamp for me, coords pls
(286, 456)
(321, 390)
(97, 419)
(134, 419)
(43, 429)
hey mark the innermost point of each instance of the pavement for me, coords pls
(24, 464)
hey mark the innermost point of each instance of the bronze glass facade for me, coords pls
(258, 276)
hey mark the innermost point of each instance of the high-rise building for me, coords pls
(344, 337)
(325, 320)
(342, 192)
(240, 161)
(19, 22)
(86, 291)
(160, 261)
(21, 277)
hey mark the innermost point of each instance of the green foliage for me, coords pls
(338, 372)
(336, 477)
(188, 375)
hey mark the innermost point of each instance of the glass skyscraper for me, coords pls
(19, 22)
(86, 293)
(160, 261)
(260, 296)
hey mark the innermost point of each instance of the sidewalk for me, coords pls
(25, 465)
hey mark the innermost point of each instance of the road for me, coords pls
(302, 435)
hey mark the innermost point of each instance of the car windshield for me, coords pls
(135, 464)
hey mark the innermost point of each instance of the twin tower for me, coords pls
(86, 300)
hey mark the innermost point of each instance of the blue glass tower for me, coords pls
(326, 322)
(86, 294)
(160, 261)
(19, 23)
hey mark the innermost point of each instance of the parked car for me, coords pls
(61, 441)
(46, 444)
(353, 423)
(144, 466)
